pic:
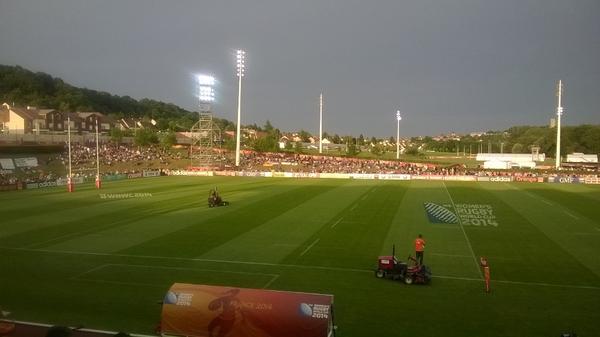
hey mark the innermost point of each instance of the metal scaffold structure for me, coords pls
(206, 135)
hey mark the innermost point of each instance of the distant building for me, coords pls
(31, 120)
(509, 160)
(578, 157)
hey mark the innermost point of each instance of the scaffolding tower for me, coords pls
(206, 135)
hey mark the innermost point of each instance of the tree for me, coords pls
(167, 139)
(145, 137)
(378, 150)
(413, 151)
(268, 126)
(361, 139)
(304, 135)
(116, 135)
(298, 147)
(517, 148)
(351, 149)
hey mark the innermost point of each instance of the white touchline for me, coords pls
(465, 233)
(309, 247)
(352, 270)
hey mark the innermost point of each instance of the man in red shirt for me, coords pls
(419, 248)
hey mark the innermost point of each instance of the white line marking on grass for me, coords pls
(82, 329)
(448, 226)
(337, 222)
(464, 232)
(309, 247)
(119, 282)
(363, 198)
(354, 207)
(191, 269)
(353, 270)
(547, 284)
(90, 271)
(271, 281)
(450, 255)
(571, 215)
(172, 258)
(544, 200)
(456, 278)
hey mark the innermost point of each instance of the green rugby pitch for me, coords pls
(103, 259)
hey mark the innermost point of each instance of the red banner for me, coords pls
(202, 310)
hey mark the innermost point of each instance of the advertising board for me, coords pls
(204, 310)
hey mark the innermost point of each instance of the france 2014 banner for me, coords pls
(464, 214)
(204, 310)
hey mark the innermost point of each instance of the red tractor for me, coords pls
(390, 267)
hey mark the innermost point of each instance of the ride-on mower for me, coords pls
(215, 200)
(390, 267)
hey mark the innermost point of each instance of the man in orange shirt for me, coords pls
(419, 248)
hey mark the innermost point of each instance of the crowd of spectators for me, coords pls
(256, 161)
(25, 175)
(83, 157)
(130, 159)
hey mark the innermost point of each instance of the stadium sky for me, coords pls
(448, 65)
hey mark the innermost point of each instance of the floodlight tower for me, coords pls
(398, 118)
(70, 177)
(559, 112)
(321, 123)
(203, 131)
(98, 179)
(241, 68)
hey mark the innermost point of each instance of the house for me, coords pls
(33, 120)
(22, 120)
(88, 122)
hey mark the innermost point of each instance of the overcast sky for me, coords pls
(447, 65)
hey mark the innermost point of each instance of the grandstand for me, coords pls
(504, 161)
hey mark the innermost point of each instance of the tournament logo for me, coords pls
(440, 214)
(465, 214)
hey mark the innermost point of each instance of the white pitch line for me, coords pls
(191, 269)
(547, 284)
(337, 222)
(354, 207)
(464, 232)
(571, 215)
(271, 281)
(90, 271)
(545, 201)
(352, 270)
(81, 329)
(450, 255)
(309, 247)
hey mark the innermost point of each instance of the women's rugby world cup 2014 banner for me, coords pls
(464, 214)
(203, 310)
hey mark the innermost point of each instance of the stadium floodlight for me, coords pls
(321, 123)
(206, 93)
(398, 118)
(241, 68)
(205, 80)
(70, 177)
(559, 112)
